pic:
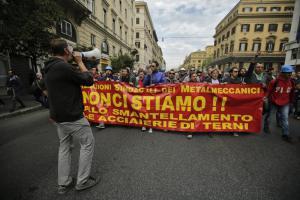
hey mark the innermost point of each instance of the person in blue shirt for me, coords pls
(154, 76)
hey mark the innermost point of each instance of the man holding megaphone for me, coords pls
(63, 83)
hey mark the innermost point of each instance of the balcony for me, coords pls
(79, 9)
(275, 56)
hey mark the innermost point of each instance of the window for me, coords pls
(93, 40)
(295, 53)
(259, 27)
(66, 28)
(289, 9)
(233, 31)
(286, 28)
(222, 50)
(275, 9)
(125, 13)
(245, 28)
(256, 46)
(226, 49)
(104, 17)
(228, 34)
(270, 46)
(93, 7)
(243, 46)
(218, 53)
(137, 58)
(273, 27)
(231, 47)
(114, 25)
(215, 43)
(261, 9)
(282, 45)
(137, 35)
(104, 48)
(223, 37)
(121, 32)
(137, 44)
(219, 40)
(137, 21)
(137, 10)
(247, 9)
(114, 50)
(120, 5)
(126, 36)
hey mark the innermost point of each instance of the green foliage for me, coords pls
(121, 62)
(26, 26)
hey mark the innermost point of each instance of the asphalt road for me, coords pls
(162, 165)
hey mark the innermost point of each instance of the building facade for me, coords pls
(146, 38)
(252, 26)
(293, 46)
(110, 27)
(195, 59)
(199, 59)
(208, 57)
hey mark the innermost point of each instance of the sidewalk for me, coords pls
(31, 105)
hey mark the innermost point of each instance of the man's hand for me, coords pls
(77, 57)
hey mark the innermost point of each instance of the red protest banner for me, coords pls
(189, 107)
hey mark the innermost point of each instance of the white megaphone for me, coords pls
(95, 54)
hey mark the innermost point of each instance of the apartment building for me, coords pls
(293, 46)
(195, 59)
(252, 26)
(146, 38)
(199, 59)
(109, 27)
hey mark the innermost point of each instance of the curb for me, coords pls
(20, 112)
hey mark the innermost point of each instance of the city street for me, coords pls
(134, 165)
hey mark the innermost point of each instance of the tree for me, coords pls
(27, 26)
(121, 62)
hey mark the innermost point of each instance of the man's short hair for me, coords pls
(58, 47)
(156, 63)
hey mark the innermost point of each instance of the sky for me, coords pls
(186, 18)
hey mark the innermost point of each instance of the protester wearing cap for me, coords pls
(182, 74)
(280, 94)
(108, 76)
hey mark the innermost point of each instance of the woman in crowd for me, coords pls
(214, 77)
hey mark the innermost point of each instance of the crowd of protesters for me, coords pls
(282, 88)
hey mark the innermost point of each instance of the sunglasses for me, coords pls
(236, 71)
(172, 73)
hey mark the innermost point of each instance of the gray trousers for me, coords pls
(82, 132)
